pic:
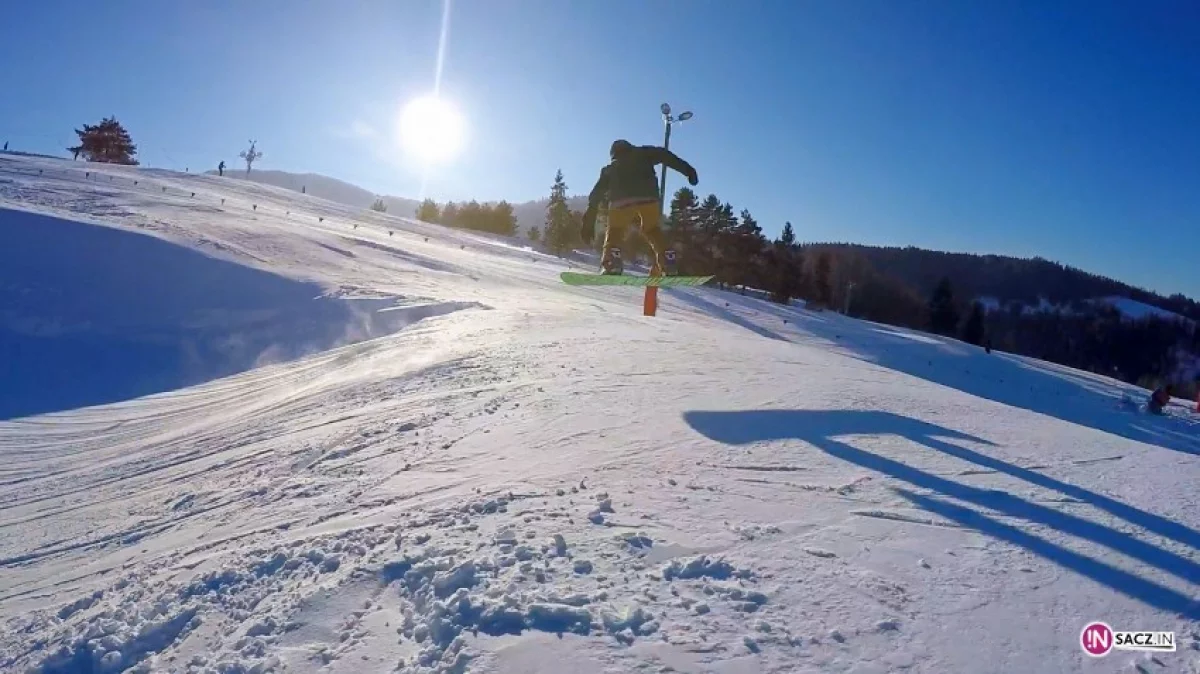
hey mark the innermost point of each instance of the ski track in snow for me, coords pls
(512, 475)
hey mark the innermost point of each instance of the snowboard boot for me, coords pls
(611, 264)
(670, 265)
(665, 264)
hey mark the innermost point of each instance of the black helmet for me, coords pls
(619, 147)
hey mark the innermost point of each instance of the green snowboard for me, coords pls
(573, 278)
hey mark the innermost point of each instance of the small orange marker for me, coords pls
(650, 301)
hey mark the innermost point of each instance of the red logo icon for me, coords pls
(1096, 639)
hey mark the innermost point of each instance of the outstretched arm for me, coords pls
(672, 160)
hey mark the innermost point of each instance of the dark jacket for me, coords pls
(630, 177)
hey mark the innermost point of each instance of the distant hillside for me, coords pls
(324, 187)
(533, 213)
(19, 153)
(529, 214)
(1006, 280)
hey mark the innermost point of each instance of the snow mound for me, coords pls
(101, 315)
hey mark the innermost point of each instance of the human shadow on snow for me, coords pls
(1025, 383)
(825, 428)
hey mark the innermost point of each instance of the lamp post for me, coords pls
(668, 121)
(650, 302)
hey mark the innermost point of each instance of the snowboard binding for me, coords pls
(611, 264)
(670, 263)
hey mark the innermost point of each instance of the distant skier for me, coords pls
(221, 168)
(1160, 398)
(630, 186)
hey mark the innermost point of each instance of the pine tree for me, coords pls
(744, 264)
(450, 215)
(106, 142)
(682, 223)
(534, 234)
(503, 220)
(782, 264)
(943, 316)
(558, 217)
(822, 281)
(973, 329)
(788, 237)
(681, 227)
(379, 206)
(428, 211)
(706, 249)
(472, 216)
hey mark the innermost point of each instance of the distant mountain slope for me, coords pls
(1137, 310)
(324, 187)
(1032, 282)
(533, 213)
(529, 214)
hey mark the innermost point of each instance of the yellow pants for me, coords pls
(648, 215)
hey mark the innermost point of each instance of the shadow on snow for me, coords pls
(92, 314)
(1046, 388)
(822, 428)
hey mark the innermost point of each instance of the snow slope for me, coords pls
(529, 214)
(1135, 310)
(1130, 309)
(513, 475)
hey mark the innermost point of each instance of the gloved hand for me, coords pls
(693, 179)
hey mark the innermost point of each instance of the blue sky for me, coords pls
(1069, 130)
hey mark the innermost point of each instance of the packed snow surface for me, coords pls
(246, 430)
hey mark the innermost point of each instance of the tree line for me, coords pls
(1035, 307)
(495, 218)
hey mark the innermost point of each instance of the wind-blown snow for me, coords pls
(520, 476)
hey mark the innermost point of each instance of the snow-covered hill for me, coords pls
(1129, 309)
(529, 214)
(329, 440)
(1134, 310)
(323, 187)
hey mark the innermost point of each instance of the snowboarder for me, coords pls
(221, 168)
(1160, 398)
(630, 186)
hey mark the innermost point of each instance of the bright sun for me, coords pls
(431, 129)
